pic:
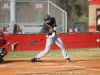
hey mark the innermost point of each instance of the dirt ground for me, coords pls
(51, 66)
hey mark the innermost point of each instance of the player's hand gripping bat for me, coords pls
(36, 41)
(50, 28)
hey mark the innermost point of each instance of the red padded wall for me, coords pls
(78, 40)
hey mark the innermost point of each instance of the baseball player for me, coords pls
(3, 51)
(52, 37)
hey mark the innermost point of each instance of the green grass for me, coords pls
(84, 52)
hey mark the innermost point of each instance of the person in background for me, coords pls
(70, 30)
(98, 22)
(4, 30)
(76, 30)
(17, 29)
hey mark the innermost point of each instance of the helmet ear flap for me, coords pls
(47, 18)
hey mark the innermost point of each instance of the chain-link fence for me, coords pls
(29, 15)
(82, 25)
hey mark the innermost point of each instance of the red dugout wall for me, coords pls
(75, 40)
(93, 6)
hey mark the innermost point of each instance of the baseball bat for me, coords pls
(36, 41)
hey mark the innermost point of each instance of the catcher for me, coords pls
(52, 37)
(3, 51)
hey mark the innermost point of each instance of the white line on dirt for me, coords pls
(3, 66)
(84, 67)
(49, 66)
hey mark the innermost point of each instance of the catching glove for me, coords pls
(14, 46)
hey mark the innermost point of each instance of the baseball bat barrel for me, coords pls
(36, 41)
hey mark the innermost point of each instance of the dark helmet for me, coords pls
(47, 18)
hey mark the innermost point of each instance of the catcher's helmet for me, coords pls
(47, 18)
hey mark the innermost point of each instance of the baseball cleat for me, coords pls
(1, 60)
(14, 46)
(68, 60)
(34, 60)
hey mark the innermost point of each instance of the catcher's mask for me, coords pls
(47, 18)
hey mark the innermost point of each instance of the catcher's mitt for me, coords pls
(14, 46)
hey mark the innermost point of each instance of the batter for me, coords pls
(49, 27)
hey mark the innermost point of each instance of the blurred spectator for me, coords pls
(76, 30)
(17, 29)
(98, 22)
(70, 30)
(4, 30)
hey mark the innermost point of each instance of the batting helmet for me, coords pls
(47, 18)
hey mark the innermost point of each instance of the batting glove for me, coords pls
(51, 36)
